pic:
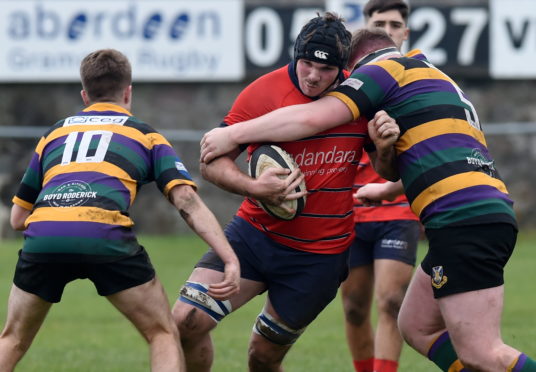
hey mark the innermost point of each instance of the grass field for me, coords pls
(84, 332)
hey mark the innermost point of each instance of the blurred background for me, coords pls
(191, 58)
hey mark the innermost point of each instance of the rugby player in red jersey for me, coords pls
(299, 263)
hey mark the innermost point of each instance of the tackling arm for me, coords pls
(203, 222)
(374, 193)
(384, 132)
(289, 123)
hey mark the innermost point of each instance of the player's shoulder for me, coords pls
(138, 124)
(278, 77)
(265, 94)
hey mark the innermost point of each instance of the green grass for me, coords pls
(85, 333)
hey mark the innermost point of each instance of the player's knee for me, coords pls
(407, 328)
(261, 359)
(356, 311)
(265, 356)
(14, 344)
(162, 333)
(475, 357)
(389, 305)
(275, 331)
(196, 312)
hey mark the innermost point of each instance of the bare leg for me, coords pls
(266, 356)
(195, 325)
(25, 315)
(147, 307)
(391, 282)
(473, 320)
(420, 321)
(356, 293)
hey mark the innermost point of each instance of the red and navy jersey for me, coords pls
(328, 160)
(83, 177)
(398, 209)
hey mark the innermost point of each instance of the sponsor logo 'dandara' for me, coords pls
(332, 156)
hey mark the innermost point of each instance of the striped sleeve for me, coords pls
(30, 185)
(168, 169)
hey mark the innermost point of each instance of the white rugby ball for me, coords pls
(268, 156)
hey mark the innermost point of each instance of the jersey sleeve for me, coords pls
(32, 181)
(168, 169)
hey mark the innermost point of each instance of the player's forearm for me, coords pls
(384, 162)
(285, 124)
(202, 221)
(292, 123)
(393, 189)
(224, 173)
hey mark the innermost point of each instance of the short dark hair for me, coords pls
(369, 40)
(381, 6)
(105, 73)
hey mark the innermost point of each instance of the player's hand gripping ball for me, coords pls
(267, 156)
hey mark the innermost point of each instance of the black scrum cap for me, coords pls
(321, 47)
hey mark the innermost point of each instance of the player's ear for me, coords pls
(127, 95)
(85, 98)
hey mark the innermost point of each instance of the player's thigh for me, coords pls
(25, 314)
(146, 306)
(419, 318)
(391, 278)
(473, 318)
(301, 284)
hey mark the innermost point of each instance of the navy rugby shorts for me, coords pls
(300, 284)
(394, 240)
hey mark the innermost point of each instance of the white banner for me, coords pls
(513, 39)
(165, 40)
(350, 10)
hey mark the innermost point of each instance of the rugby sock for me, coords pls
(384, 365)
(365, 365)
(522, 364)
(443, 355)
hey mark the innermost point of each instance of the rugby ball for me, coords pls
(268, 156)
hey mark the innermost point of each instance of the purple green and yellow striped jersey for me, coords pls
(84, 175)
(447, 171)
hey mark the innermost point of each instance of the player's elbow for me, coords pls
(18, 217)
(184, 198)
(17, 225)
